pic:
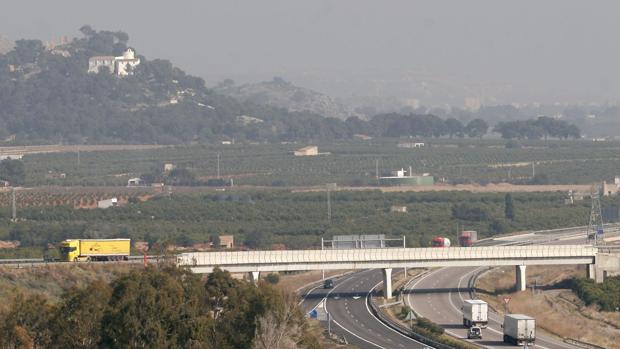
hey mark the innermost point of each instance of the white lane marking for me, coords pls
(381, 322)
(358, 337)
(306, 296)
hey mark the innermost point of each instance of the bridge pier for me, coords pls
(521, 278)
(387, 283)
(254, 275)
(591, 271)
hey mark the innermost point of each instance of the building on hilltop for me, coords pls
(121, 66)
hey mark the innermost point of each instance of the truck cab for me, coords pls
(474, 333)
(70, 250)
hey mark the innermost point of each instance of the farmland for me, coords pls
(261, 218)
(349, 163)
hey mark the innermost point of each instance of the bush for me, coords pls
(606, 295)
(429, 325)
(272, 278)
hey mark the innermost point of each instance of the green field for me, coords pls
(260, 218)
(348, 163)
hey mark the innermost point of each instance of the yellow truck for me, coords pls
(95, 250)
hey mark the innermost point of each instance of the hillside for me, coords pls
(47, 95)
(282, 94)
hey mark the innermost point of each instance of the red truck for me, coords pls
(467, 238)
(440, 241)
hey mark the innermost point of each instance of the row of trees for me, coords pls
(159, 308)
(542, 127)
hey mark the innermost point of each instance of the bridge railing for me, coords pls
(392, 254)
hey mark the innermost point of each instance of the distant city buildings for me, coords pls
(121, 66)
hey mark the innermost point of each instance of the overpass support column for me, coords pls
(521, 278)
(254, 276)
(591, 271)
(387, 283)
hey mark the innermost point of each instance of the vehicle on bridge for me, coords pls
(467, 238)
(475, 313)
(519, 329)
(474, 333)
(81, 250)
(440, 241)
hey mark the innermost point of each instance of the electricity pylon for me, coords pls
(595, 232)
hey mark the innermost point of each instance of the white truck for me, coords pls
(519, 329)
(475, 313)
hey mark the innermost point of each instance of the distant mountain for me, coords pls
(6, 45)
(282, 94)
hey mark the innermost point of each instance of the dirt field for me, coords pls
(37, 149)
(490, 188)
(557, 311)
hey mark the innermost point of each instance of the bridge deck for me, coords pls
(246, 261)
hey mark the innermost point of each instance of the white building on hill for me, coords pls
(121, 66)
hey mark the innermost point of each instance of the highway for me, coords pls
(352, 318)
(437, 295)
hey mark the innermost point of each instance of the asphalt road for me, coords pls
(351, 317)
(439, 294)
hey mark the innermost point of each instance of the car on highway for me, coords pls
(474, 333)
(329, 283)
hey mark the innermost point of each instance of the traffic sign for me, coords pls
(506, 300)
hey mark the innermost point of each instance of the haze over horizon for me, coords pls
(435, 52)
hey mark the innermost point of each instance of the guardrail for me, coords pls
(581, 344)
(404, 330)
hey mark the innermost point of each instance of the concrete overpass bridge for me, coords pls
(254, 262)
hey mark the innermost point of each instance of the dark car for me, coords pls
(329, 283)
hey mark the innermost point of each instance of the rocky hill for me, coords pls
(282, 94)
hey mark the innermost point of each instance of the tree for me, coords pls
(26, 325)
(509, 207)
(453, 127)
(476, 128)
(77, 321)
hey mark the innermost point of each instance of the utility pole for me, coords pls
(14, 206)
(218, 165)
(533, 169)
(78, 158)
(328, 187)
(329, 206)
(377, 169)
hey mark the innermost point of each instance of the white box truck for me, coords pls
(519, 329)
(475, 313)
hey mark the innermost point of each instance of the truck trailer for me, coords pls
(79, 250)
(467, 238)
(475, 313)
(519, 329)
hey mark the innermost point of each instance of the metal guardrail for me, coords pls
(581, 344)
(404, 330)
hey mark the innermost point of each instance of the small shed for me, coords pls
(107, 203)
(135, 182)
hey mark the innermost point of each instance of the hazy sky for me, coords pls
(547, 50)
